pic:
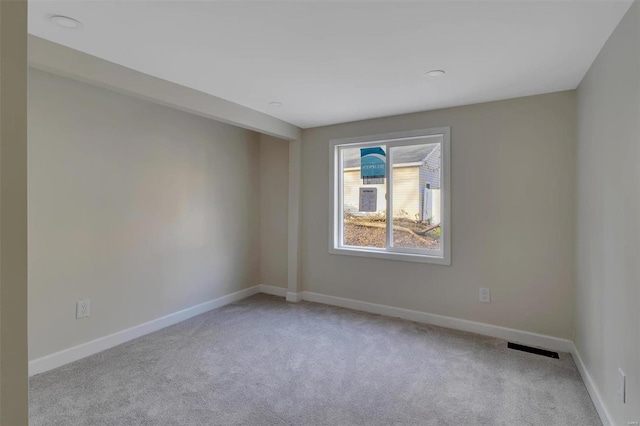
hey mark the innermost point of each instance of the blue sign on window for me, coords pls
(373, 162)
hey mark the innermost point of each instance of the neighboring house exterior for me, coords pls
(416, 182)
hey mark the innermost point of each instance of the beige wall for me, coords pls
(13, 213)
(608, 213)
(142, 209)
(274, 193)
(509, 160)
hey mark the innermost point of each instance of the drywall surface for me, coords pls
(274, 194)
(512, 189)
(143, 209)
(608, 208)
(14, 409)
(61, 60)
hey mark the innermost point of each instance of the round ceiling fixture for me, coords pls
(275, 104)
(65, 22)
(435, 73)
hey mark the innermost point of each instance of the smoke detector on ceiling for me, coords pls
(65, 22)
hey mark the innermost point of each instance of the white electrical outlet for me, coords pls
(622, 384)
(485, 295)
(83, 308)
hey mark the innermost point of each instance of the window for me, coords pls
(390, 196)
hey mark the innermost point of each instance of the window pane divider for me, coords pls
(389, 198)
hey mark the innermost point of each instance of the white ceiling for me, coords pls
(330, 61)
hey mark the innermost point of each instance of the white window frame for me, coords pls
(336, 213)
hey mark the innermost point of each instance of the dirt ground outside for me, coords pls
(370, 231)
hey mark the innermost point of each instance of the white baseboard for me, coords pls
(83, 350)
(65, 356)
(293, 297)
(519, 336)
(273, 290)
(592, 388)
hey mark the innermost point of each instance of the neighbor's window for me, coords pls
(391, 196)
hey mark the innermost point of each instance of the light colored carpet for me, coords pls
(263, 361)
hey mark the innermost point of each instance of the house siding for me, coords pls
(406, 191)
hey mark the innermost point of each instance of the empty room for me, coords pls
(319, 212)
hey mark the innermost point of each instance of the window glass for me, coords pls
(416, 196)
(364, 197)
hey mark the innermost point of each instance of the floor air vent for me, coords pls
(531, 350)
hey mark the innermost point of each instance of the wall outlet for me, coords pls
(83, 308)
(485, 295)
(622, 385)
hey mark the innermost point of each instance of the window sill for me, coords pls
(379, 254)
